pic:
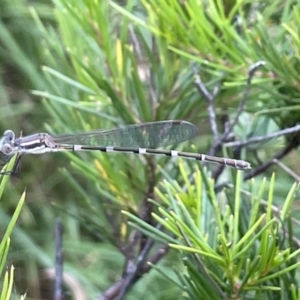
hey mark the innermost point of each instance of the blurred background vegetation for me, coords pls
(82, 65)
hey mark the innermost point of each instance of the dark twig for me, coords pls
(136, 266)
(111, 217)
(240, 108)
(261, 168)
(216, 145)
(264, 138)
(217, 142)
(209, 98)
(134, 271)
(135, 42)
(153, 259)
(113, 291)
(146, 206)
(228, 128)
(287, 170)
(58, 260)
(136, 241)
(264, 165)
(201, 87)
(220, 186)
(219, 169)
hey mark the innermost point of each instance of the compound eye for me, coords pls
(7, 149)
(9, 135)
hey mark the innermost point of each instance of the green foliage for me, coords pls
(7, 280)
(228, 250)
(98, 64)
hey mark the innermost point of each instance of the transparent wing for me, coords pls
(145, 135)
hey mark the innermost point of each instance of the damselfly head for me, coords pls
(9, 135)
(7, 142)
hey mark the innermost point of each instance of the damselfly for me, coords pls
(140, 139)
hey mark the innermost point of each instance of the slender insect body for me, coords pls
(138, 139)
